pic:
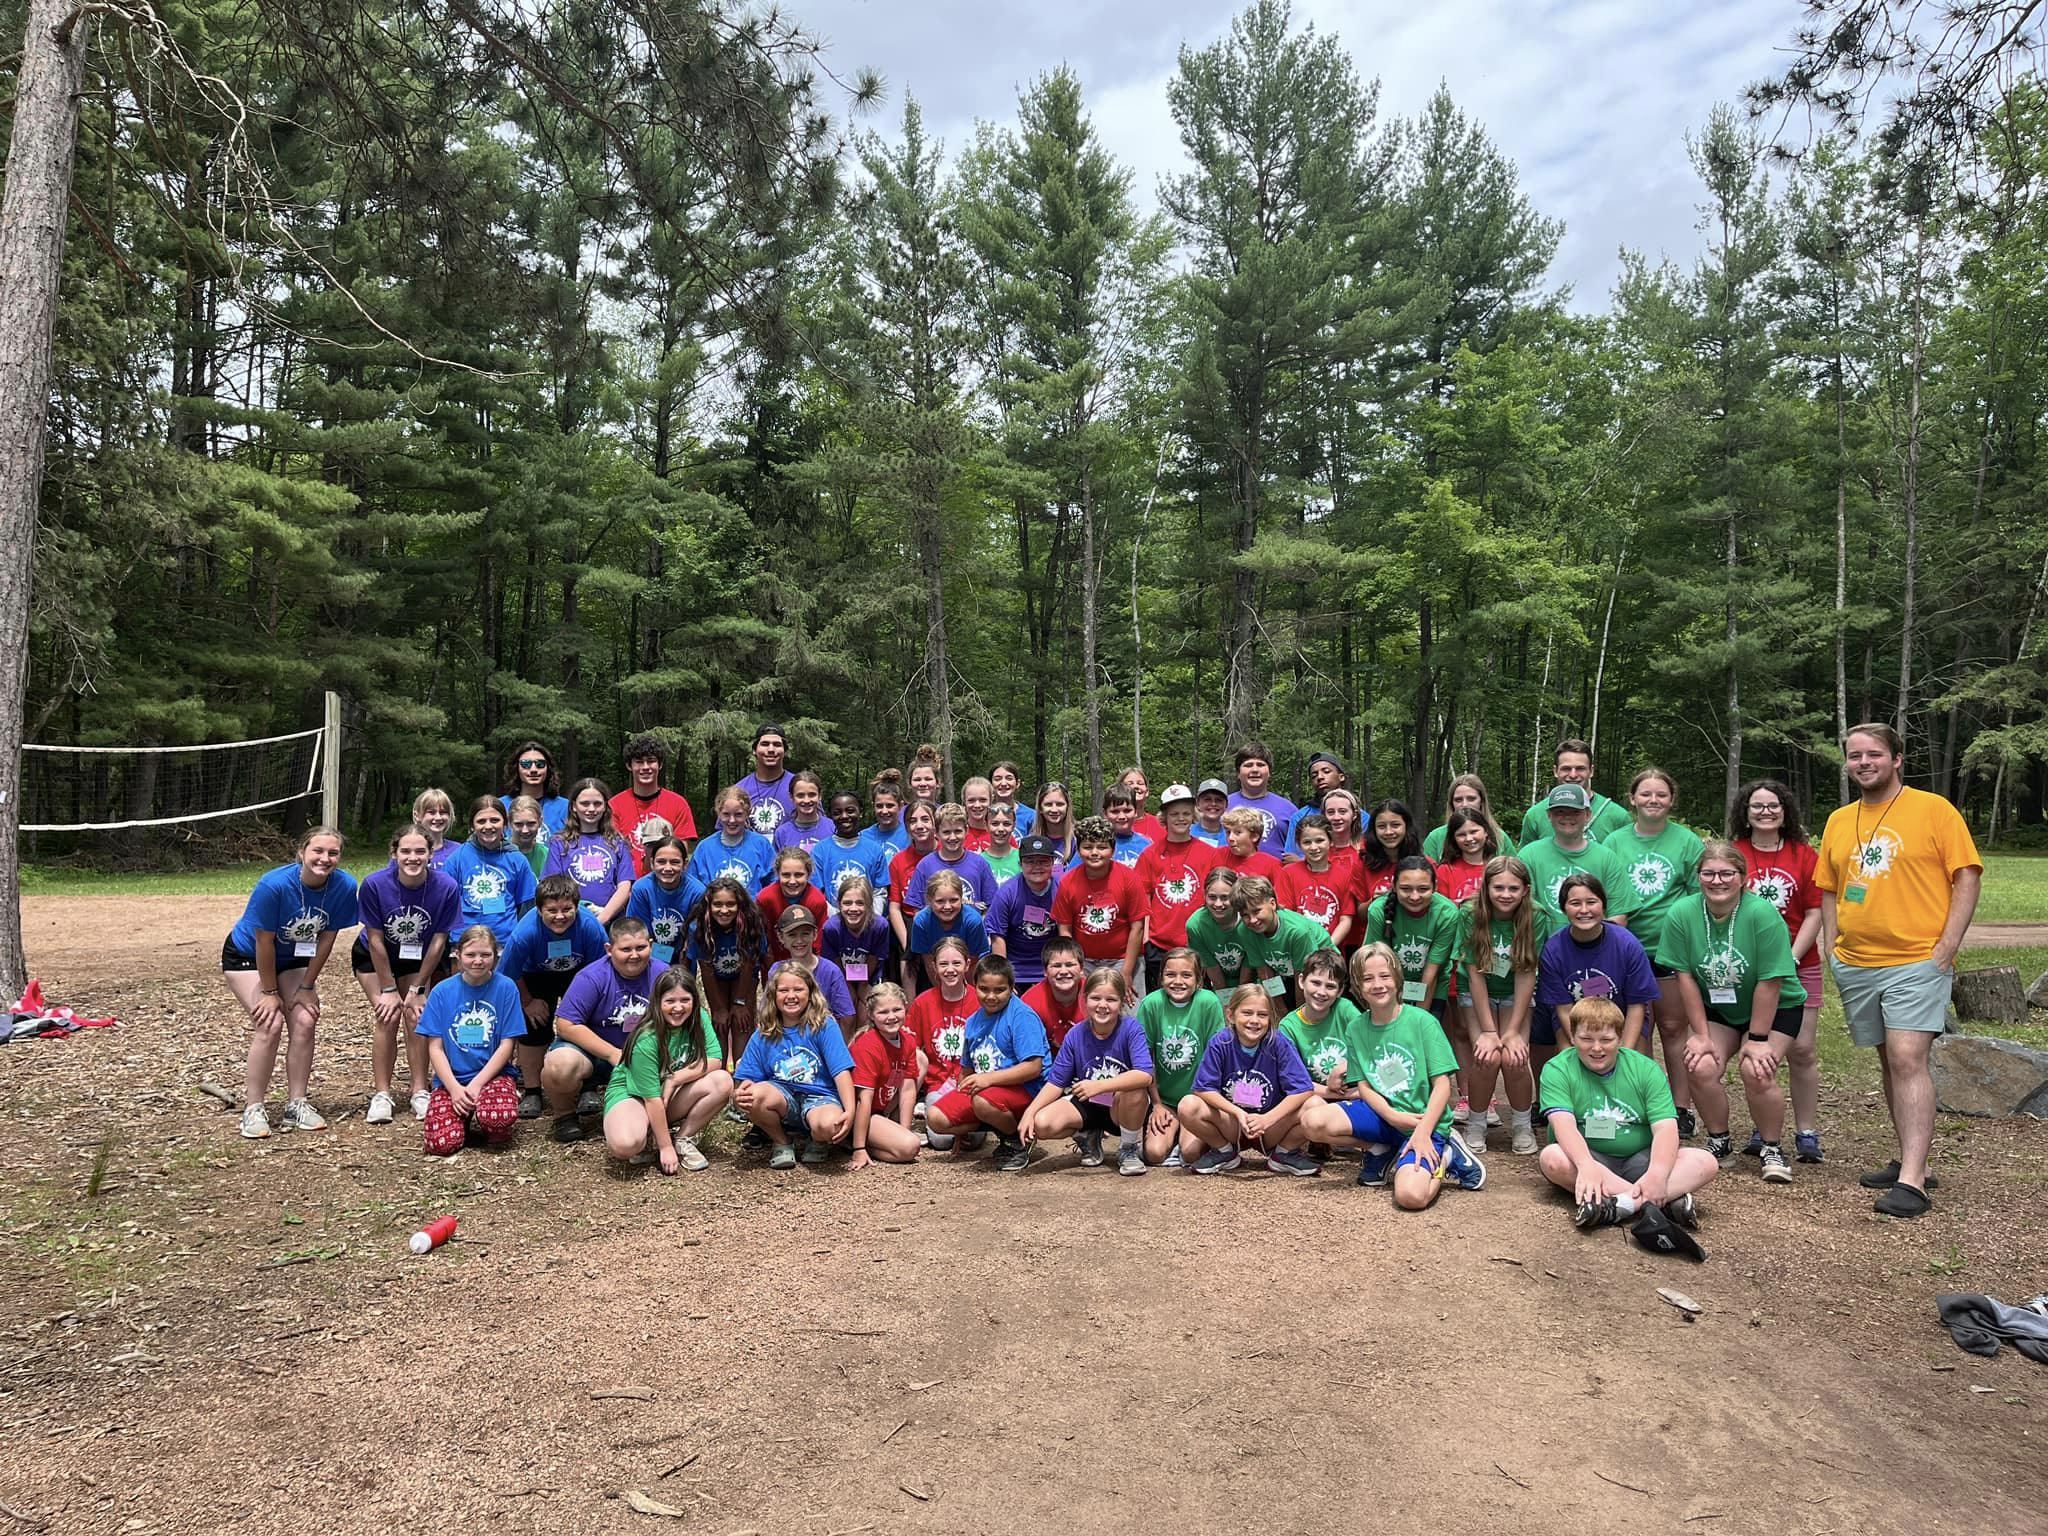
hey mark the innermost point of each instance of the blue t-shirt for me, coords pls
(1254, 1080)
(972, 868)
(1217, 839)
(789, 835)
(1022, 919)
(496, 886)
(535, 948)
(597, 866)
(471, 1022)
(1027, 818)
(833, 864)
(866, 952)
(751, 860)
(926, 930)
(602, 1000)
(1613, 966)
(283, 904)
(554, 813)
(1084, 1055)
(1277, 814)
(831, 982)
(666, 913)
(801, 1062)
(994, 1042)
(1129, 849)
(724, 958)
(407, 916)
(891, 842)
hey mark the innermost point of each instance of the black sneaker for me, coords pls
(1902, 1200)
(1720, 1146)
(1597, 1213)
(1012, 1156)
(1888, 1175)
(568, 1128)
(1688, 1125)
(1682, 1210)
(755, 1140)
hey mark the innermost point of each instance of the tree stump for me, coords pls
(1993, 995)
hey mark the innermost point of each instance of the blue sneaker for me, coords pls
(1807, 1145)
(1461, 1166)
(1372, 1168)
(1218, 1160)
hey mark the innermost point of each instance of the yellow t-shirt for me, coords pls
(1892, 883)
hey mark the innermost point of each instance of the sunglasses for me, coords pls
(533, 762)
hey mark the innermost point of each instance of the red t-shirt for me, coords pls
(1325, 897)
(1057, 1021)
(1100, 914)
(1172, 874)
(1369, 884)
(772, 905)
(941, 1031)
(977, 840)
(1784, 878)
(885, 1069)
(1152, 827)
(1344, 863)
(1253, 863)
(1459, 880)
(901, 867)
(629, 810)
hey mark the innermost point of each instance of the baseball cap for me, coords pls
(651, 831)
(1036, 847)
(1215, 786)
(798, 916)
(1173, 794)
(771, 730)
(1660, 1234)
(1324, 757)
(1569, 797)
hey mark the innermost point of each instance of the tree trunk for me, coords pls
(1733, 780)
(1841, 560)
(1910, 489)
(1091, 692)
(1600, 665)
(931, 557)
(1241, 676)
(40, 156)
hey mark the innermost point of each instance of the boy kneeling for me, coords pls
(1616, 1146)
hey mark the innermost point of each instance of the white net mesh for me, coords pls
(110, 789)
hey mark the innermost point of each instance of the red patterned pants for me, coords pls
(496, 1112)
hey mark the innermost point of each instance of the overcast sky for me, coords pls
(1590, 98)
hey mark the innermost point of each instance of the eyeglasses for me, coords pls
(1718, 874)
(1766, 808)
(533, 762)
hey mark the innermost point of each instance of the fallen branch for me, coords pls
(214, 1090)
(892, 1434)
(1631, 1487)
(1504, 1472)
(688, 1461)
(30, 1521)
(631, 1394)
(846, 1333)
(922, 1498)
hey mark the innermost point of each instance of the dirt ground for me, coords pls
(231, 1336)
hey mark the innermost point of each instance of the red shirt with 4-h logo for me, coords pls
(1100, 913)
(1172, 874)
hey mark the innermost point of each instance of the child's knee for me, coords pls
(1556, 1166)
(1414, 1190)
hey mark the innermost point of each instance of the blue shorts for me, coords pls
(1368, 1127)
(1542, 1025)
(797, 1106)
(600, 1071)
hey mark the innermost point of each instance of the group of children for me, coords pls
(1235, 975)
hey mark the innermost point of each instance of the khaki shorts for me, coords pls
(1876, 998)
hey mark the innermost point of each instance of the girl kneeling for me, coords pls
(671, 1078)
(1101, 1081)
(470, 1023)
(796, 1078)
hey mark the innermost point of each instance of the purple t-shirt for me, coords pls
(595, 865)
(1613, 966)
(789, 835)
(1084, 1055)
(1022, 919)
(442, 854)
(408, 918)
(603, 1001)
(831, 982)
(1278, 813)
(772, 805)
(972, 869)
(863, 952)
(1253, 1080)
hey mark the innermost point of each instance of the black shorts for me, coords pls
(1786, 1021)
(1663, 972)
(360, 962)
(550, 986)
(232, 959)
(1097, 1118)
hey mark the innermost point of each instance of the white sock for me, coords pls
(1625, 1204)
(1126, 1140)
(1520, 1120)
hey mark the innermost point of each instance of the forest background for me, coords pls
(575, 369)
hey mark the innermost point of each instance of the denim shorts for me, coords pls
(1876, 998)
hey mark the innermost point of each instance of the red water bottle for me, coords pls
(433, 1235)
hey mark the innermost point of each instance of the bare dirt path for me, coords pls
(229, 1335)
(2005, 935)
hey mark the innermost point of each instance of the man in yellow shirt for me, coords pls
(1899, 877)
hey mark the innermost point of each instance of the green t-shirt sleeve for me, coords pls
(1443, 937)
(642, 1072)
(1656, 1092)
(1208, 1012)
(1679, 949)
(1433, 844)
(1438, 1059)
(1600, 860)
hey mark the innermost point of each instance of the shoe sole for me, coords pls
(1131, 1173)
(1313, 1170)
(1777, 1175)
(1235, 1162)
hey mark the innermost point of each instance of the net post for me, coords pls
(330, 762)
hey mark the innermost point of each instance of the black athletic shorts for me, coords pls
(232, 959)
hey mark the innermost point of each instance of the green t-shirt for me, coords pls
(1433, 842)
(1609, 816)
(1178, 1036)
(1401, 1058)
(1007, 865)
(1500, 976)
(640, 1076)
(1727, 960)
(1328, 1045)
(1287, 946)
(1615, 1112)
(1418, 942)
(1549, 865)
(1657, 871)
(1223, 948)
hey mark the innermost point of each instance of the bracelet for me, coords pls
(268, 992)
(1759, 1039)
(862, 1147)
(388, 992)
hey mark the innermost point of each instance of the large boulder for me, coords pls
(1979, 1075)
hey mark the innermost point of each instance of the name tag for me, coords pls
(1036, 915)
(1855, 893)
(1394, 1077)
(664, 953)
(305, 949)
(1245, 1094)
(1502, 964)
(471, 1034)
(1276, 986)
(1721, 997)
(410, 951)
(1602, 1127)
(856, 970)
(492, 905)
(560, 949)
(1411, 992)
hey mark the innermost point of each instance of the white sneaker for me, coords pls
(419, 1104)
(379, 1112)
(1525, 1143)
(255, 1123)
(300, 1115)
(688, 1155)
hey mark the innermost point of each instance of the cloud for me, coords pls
(1592, 99)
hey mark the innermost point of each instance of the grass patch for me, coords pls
(1844, 1065)
(2015, 888)
(230, 880)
